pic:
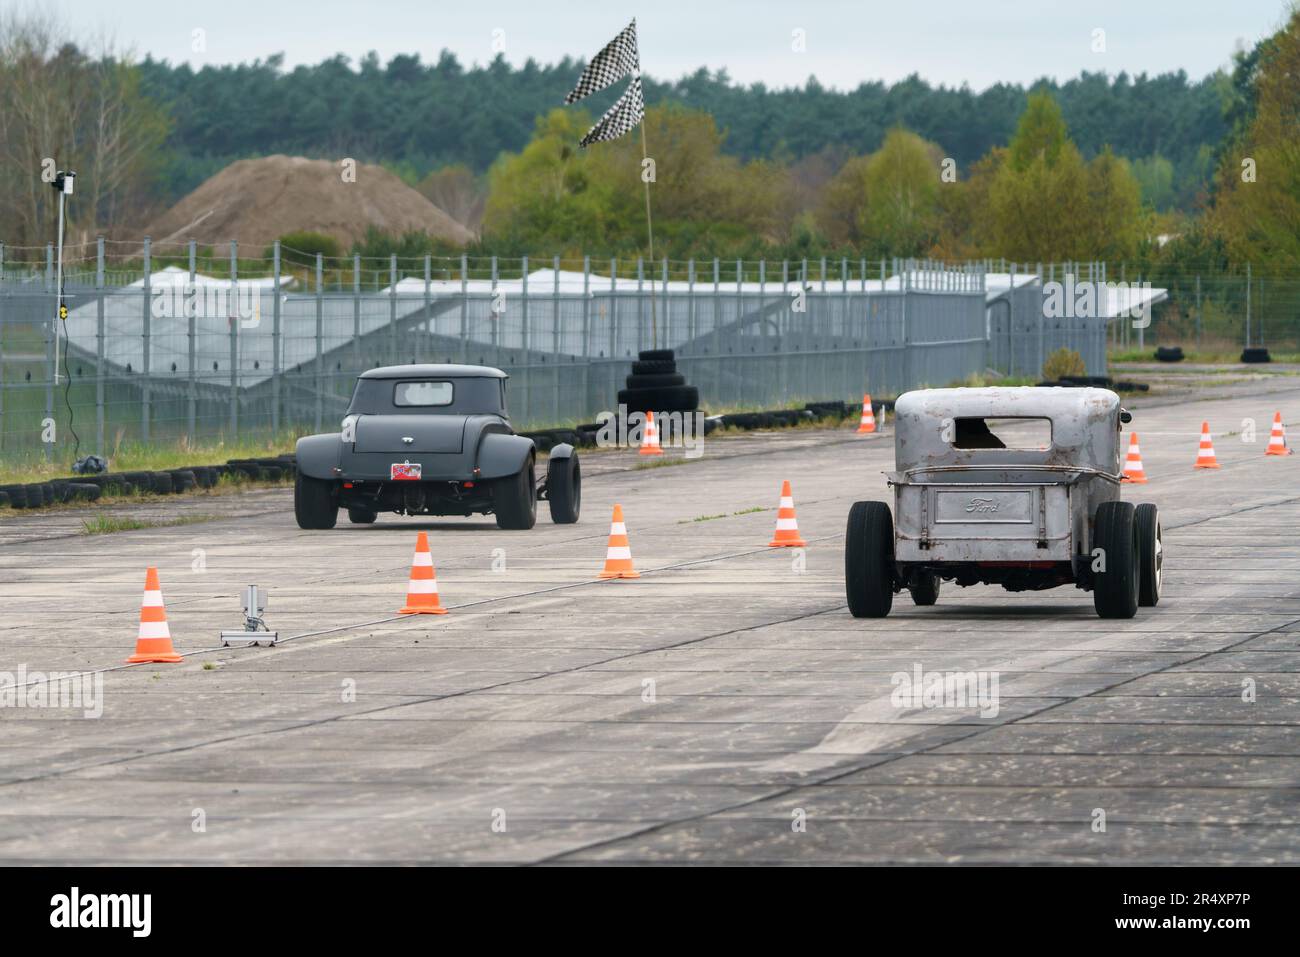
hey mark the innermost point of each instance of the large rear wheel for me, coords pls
(314, 505)
(514, 499)
(564, 489)
(869, 560)
(1117, 576)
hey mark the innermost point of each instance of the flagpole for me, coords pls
(650, 231)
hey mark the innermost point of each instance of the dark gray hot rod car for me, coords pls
(431, 440)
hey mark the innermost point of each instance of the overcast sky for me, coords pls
(978, 42)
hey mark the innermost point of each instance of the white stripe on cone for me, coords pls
(422, 558)
(152, 599)
(154, 629)
(617, 528)
(619, 551)
(423, 586)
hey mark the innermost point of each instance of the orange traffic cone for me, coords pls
(787, 529)
(868, 423)
(618, 557)
(1277, 440)
(650, 437)
(1133, 471)
(1205, 456)
(422, 592)
(154, 640)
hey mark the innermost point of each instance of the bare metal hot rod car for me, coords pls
(1018, 487)
(431, 440)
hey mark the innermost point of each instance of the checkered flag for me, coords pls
(617, 60)
(620, 118)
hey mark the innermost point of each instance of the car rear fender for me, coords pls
(318, 455)
(501, 454)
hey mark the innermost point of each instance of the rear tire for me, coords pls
(1115, 590)
(313, 503)
(1150, 554)
(869, 560)
(926, 591)
(514, 499)
(564, 489)
(361, 516)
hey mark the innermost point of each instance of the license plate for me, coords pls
(404, 472)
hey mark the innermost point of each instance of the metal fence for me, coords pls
(173, 351)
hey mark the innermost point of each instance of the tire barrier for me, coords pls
(94, 488)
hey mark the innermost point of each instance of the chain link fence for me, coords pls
(172, 343)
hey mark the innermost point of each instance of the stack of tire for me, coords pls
(656, 386)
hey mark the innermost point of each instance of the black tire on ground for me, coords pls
(84, 492)
(658, 381)
(161, 482)
(314, 505)
(1150, 554)
(678, 398)
(184, 480)
(17, 495)
(926, 590)
(654, 367)
(1255, 354)
(361, 516)
(37, 495)
(4, 499)
(271, 473)
(564, 489)
(61, 491)
(869, 560)
(1115, 590)
(1169, 354)
(646, 355)
(141, 481)
(514, 499)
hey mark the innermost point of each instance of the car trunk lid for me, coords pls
(427, 433)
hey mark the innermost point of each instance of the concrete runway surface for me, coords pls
(723, 708)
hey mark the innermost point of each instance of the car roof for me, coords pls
(1008, 402)
(433, 371)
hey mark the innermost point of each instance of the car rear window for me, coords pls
(422, 393)
(1003, 433)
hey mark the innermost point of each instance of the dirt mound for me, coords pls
(255, 201)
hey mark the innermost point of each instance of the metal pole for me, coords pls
(464, 308)
(146, 347)
(234, 339)
(1247, 305)
(426, 335)
(555, 340)
(392, 306)
(275, 339)
(526, 339)
(191, 346)
(320, 334)
(1198, 311)
(356, 313)
(51, 356)
(99, 346)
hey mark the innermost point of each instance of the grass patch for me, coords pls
(108, 524)
(660, 464)
(21, 468)
(709, 518)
